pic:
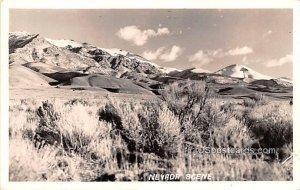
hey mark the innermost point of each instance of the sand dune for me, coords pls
(43, 67)
(22, 77)
(107, 82)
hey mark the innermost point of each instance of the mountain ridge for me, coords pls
(45, 55)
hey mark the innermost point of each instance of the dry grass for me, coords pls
(111, 139)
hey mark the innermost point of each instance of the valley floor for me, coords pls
(91, 135)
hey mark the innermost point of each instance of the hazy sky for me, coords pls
(206, 38)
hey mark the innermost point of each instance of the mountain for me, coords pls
(241, 71)
(200, 70)
(285, 79)
(188, 73)
(45, 62)
(75, 56)
(22, 77)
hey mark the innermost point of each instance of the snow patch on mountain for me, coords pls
(64, 43)
(115, 51)
(285, 79)
(199, 70)
(168, 69)
(20, 34)
(241, 71)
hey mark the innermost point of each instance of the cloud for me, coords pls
(171, 55)
(162, 31)
(200, 57)
(281, 61)
(164, 54)
(140, 37)
(239, 51)
(150, 55)
(205, 57)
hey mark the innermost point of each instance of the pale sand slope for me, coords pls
(107, 82)
(22, 77)
(44, 68)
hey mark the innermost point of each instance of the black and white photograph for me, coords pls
(155, 95)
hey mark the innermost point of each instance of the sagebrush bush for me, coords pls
(113, 139)
(271, 124)
(29, 164)
(232, 134)
(191, 102)
(150, 128)
(184, 97)
(257, 99)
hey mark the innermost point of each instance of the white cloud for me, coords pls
(164, 54)
(172, 54)
(162, 31)
(201, 58)
(205, 57)
(150, 55)
(240, 51)
(140, 37)
(281, 61)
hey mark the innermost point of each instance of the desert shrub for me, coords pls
(227, 107)
(232, 134)
(47, 131)
(145, 128)
(249, 103)
(201, 125)
(77, 131)
(273, 127)
(22, 124)
(122, 140)
(185, 96)
(19, 168)
(48, 164)
(161, 132)
(192, 103)
(124, 121)
(72, 127)
(257, 99)
(82, 101)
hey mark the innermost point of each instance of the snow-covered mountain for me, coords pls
(46, 55)
(113, 52)
(64, 43)
(68, 54)
(199, 70)
(241, 71)
(285, 79)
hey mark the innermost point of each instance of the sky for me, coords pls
(211, 39)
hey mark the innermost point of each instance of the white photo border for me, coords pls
(6, 5)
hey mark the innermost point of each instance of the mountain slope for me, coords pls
(119, 61)
(68, 54)
(241, 71)
(22, 77)
(106, 82)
